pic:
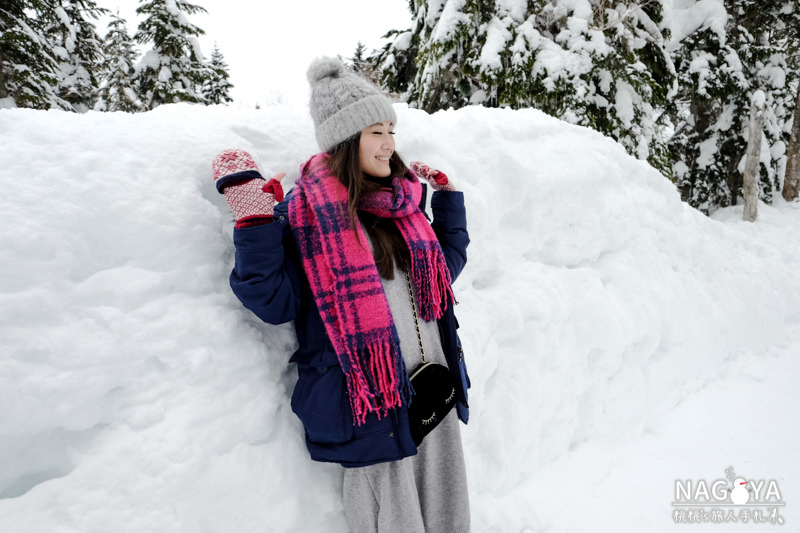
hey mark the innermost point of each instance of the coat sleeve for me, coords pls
(450, 225)
(264, 276)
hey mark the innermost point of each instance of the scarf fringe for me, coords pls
(382, 386)
(432, 282)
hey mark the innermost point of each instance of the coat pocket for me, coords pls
(320, 401)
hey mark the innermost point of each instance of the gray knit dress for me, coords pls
(425, 493)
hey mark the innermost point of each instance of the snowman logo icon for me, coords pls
(739, 494)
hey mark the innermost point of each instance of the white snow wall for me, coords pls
(137, 394)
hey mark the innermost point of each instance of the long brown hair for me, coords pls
(389, 247)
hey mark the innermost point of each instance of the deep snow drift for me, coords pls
(617, 340)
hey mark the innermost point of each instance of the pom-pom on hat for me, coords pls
(342, 103)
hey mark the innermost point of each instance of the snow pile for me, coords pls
(138, 395)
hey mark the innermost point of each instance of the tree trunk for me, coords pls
(791, 181)
(3, 90)
(752, 164)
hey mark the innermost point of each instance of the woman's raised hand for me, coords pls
(437, 179)
(249, 195)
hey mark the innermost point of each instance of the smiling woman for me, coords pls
(352, 259)
(375, 148)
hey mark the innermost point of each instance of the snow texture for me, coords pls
(689, 16)
(617, 340)
(450, 18)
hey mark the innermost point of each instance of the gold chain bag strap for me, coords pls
(434, 388)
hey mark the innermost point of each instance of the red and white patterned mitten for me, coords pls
(249, 195)
(438, 180)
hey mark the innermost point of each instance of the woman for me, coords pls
(350, 256)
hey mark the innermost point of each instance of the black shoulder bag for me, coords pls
(434, 388)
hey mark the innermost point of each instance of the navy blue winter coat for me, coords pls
(268, 278)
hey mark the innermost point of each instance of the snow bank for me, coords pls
(138, 394)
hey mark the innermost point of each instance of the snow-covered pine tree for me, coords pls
(757, 23)
(596, 63)
(361, 64)
(217, 85)
(720, 66)
(27, 68)
(174, 69)
(117, 92)
(358, 62)
(451, 36)
(395, 63)
(711, 84)
(600, 64)
(77, 48)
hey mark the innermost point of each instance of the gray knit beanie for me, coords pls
(342, 103)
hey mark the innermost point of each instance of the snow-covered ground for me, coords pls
(617, 340)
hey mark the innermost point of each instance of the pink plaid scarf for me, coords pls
(347, 287)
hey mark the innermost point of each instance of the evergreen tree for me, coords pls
(173, 70)
(395, 63)
(702, 148)
(606, 68)
(595, 63)
(448, 37)
(361, 64)
(358, 62)
(77, 48)
(27, 68)
(719, 70)
(117, 92)
(217, 85)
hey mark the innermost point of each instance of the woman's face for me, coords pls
(376, 148)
